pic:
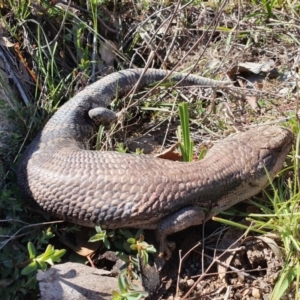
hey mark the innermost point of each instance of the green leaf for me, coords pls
(151, 249)
(123, 256)
(122, 283)
(286, 277)
(58, 254)
(134, 247)
(31, 250)
(126, 232)
(106, 243)
(116, 295)
(43, 265)
(98, 237)
(30, 268)
(49, 261)
(98, 229)
(131, 241)
(186, 147)
(47, 254)
(99, 137)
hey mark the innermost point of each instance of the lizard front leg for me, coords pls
(177, 221)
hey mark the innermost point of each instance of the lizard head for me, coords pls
(269, 148)
(252, 157)
(246, 162)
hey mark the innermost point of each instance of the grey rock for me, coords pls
(77, 282)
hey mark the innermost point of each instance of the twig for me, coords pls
(27, 226)
(15, 80)
(208, 268)
(61, 26)
(180, 263)
(85, 10)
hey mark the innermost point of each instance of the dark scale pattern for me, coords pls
(120, 190)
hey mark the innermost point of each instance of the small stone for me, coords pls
(256, 293)
(190, 282)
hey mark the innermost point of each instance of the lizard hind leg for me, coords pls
(177, 221)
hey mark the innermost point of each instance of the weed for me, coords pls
(186, 144)
(50, 256)
(135, 243)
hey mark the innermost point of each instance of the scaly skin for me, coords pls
(114, 190)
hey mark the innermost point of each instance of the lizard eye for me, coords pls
(266, 160)
(278, 150)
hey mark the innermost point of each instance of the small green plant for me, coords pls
(269, 6)
(50, 256)
(121, 148)
(99, 137)
(136, 243)
(101, 235)
(126, 293)
(139, 151)
(143, 249)
(128, 290)
(186, 144)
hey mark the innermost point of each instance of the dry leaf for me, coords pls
(5, 42)
(228, 242)
(79, 242)
(256, 68)
(170, 154)
(107, 51)
(252, 101)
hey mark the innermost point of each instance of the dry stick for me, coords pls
(18, 236)
(209, 267)
(297, 118)
(169, 123)
(217, 17)
(132, 92)
(87, 11)
(232, 272)
(94, 53)
(180, 263)
(229, 288)
(144, 35)
(235, 34)
(151, 56)
(61, 27)
(230, 267)
(192, 48)
(142, 24)
(15, 80)
(171, 46)
(28, 226)
(169, 25)
(169, 8)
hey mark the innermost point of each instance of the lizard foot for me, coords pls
(177, 221)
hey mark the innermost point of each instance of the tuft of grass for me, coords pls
(186, 144)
